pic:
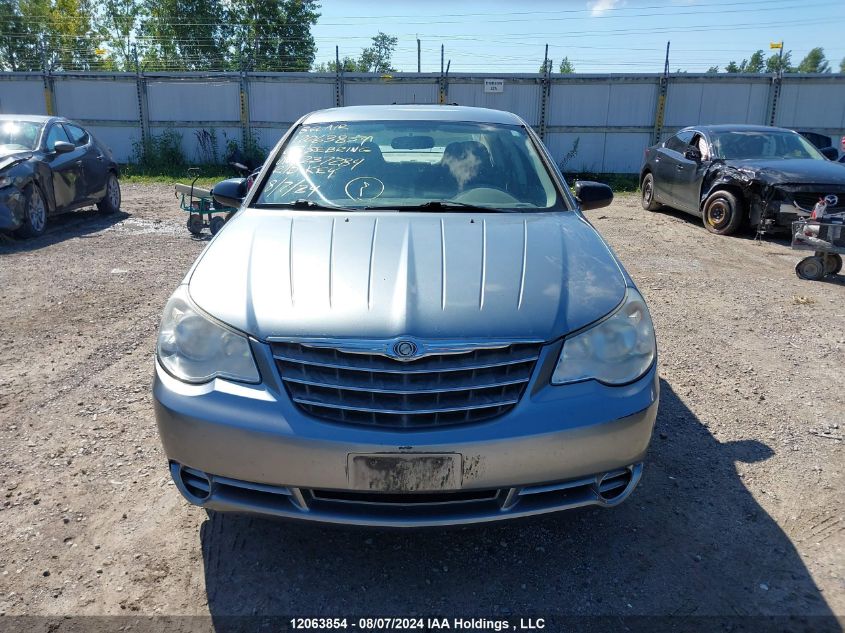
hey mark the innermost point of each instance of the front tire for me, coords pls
(35, 217)
(111, 202)
(722, 213)
(647, 189)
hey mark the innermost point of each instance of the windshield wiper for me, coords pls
(302, 203)
(441, 205)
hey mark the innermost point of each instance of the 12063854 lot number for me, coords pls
(318, 624)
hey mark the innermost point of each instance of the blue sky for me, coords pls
(598, 36)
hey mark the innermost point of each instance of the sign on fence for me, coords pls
(494, 85)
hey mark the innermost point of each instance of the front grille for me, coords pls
(808, 200)
(375, 390)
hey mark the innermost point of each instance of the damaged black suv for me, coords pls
(735, 175)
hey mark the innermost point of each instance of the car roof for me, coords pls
(32, 118)
(421, 112)
(736, 128)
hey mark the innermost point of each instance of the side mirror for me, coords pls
(230, 193)
(592, 195)
(63, 147)
(693, 154)
(830, 153)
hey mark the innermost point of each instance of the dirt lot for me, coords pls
(740, 510)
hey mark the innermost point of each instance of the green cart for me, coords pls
(203, 211)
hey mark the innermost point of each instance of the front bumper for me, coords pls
(12, 208)
(247, 448)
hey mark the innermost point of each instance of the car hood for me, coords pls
(383, 275)
(9, 158)
(794, 170)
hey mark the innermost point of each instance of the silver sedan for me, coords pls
(408, 322)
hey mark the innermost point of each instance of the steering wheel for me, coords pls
(486, 195)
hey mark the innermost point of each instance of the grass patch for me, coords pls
(209, 174)
(620, 183)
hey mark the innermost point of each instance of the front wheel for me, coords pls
(647, 188)
(722, 213)
(111, 202)
(35, 218)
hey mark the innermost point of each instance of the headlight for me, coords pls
(195, 349)
(618, 350)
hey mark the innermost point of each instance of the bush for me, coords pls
(207, 146)
(252, 154)
(159, 152)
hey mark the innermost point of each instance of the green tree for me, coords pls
(842, 65)
(756, 63)
(18, 45)
(272, 35)
(376, 58)
(182, 35)
(814, 62)
(64, 30)
(777, 64)
(712, 70)
(347, 65)
(753, 65)
(566, 67)
(118, 22)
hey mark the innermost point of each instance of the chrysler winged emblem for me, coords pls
(404, 350)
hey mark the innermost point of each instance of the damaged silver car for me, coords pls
(409, 322)
(740, 175)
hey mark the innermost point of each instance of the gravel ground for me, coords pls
(740, 511)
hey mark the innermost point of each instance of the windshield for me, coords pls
(19, 135)
(405, 164)
(768, 145)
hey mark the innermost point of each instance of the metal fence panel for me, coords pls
(121, 140)
(613, 117)
(283, 103)
(22, 96)
(590, 150)
(369, 92)
(632, 104)
(600, 152)
(97, 99)
(194, 100)
(707, 101)
(522, 98)
(808, 103)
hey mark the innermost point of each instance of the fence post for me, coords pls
(246, 127)
(338, 78)
(545, 89)
(774, 97)
(49, 88)
(660, 107)
(143, 106)
(442, 87)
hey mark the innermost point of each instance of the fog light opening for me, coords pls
(194, 484)
(613, 485)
